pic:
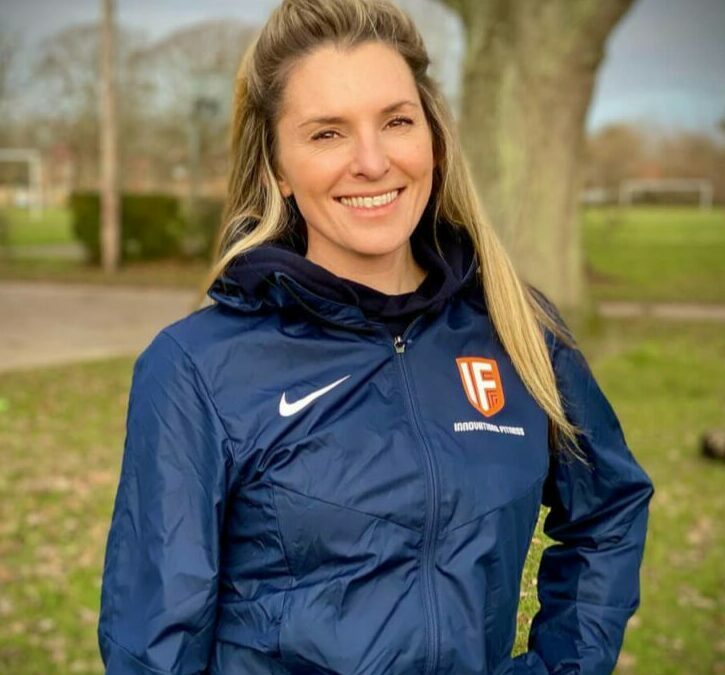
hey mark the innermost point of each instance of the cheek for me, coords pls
(421, 161)
(314, 185)
(313, 176)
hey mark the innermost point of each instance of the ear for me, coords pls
(284, 186)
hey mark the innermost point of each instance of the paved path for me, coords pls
(663, 310)
(49, 323)
(68, 251)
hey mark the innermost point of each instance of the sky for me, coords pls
(664, 68)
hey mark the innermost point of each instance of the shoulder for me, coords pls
(215, 351)
(557, 333)
(201, 335)
(190, 355)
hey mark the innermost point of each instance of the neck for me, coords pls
(392, 274)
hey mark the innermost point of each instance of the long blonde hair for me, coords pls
(256, 212)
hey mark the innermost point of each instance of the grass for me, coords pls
(167, 273)
(51, 226)
(667, 383)
(61, 434)
(669, 386)
(656, 254)
(54, 228)
(60, 431)
(643, 254)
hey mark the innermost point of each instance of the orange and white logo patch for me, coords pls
(482, 384)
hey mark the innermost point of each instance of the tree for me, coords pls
(66, 73)
(614, 154)
(194, 69)
(156, 85)
(441, 32)
(9, 48)
(528, 74)
(110, 200)
(689, 154)
(9, 45)
(191, 52)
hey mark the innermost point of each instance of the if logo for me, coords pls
(482, 384)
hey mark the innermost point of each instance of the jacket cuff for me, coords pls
(529, 663)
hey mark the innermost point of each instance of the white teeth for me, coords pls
(370, 202)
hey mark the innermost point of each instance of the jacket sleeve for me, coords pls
(159, 592)
(588, 582)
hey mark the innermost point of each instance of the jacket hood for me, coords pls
(277, 276)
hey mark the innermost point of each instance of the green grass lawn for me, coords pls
(674, 254)
(50, 226)
(61, 437)
(656, 254)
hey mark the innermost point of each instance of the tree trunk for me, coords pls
(110, 206)
(528, 75)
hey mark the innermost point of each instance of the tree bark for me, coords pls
(110, 202)
(528, 75)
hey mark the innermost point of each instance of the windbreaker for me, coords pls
(303, 492)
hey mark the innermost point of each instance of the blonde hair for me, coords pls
(256, 212)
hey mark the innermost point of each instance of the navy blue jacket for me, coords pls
(303, 492)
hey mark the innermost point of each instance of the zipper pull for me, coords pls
(399, 345)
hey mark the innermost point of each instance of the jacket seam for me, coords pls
(614, 538)
(564, 352)
(279, 531)
(224, 442)
(342, 506)
(204, 384)
(287, 565)
(576, 601)
(112, 601)
(623, 536)
(537, 481)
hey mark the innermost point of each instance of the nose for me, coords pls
(370, 157)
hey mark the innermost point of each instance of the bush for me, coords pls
(151, 225)
(202, 226)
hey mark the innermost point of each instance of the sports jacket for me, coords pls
(303, 492)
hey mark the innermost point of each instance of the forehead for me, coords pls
(336, 80)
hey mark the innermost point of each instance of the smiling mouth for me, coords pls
(371, 202)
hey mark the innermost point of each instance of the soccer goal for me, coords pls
(629, 190)
(34, 161)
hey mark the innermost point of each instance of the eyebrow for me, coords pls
(340, 120)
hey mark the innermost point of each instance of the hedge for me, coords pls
(151, 225)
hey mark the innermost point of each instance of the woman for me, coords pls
(338, 467)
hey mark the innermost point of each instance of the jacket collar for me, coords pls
(277, 276)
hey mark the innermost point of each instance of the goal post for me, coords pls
(629, 189)
(35, 163)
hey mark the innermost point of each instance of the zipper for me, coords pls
(399, 344)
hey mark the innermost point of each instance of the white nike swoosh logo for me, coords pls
(287, 409)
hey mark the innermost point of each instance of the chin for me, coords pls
(376, 246)
(380, 237)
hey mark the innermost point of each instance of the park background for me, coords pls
(649, 313)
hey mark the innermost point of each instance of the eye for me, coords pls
(330, 134)
(400, 122)
(325, 135)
